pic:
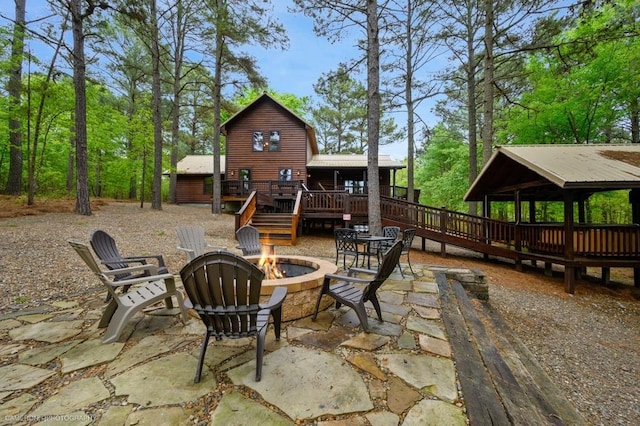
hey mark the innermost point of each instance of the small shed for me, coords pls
(194, 178)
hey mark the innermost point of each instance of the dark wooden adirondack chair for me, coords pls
(149, 288)
(107, 251)
(249, 240)
(345, 293)
(224, 289)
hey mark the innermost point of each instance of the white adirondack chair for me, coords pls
(193, 243)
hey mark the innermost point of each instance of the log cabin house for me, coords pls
(272, 150)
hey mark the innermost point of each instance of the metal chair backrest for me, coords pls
(346, 240)
(224, 290)
(407, 239)
(391, 231)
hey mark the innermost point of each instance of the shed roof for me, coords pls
(199, 165)
(544, 171)
(351, 161)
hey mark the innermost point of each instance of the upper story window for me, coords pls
(274, 140)
(261, 144)
(258, 141)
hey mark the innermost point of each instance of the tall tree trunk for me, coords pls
(177, 80)
(83, 206)
(410, 107)
(156, 191)
(14, 89)
(471, 111)
(70, 161)
(33, 142)
(373, 116)
(487, 129)
(635, 121)
(217, 93)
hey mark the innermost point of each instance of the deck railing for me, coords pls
(589, 240)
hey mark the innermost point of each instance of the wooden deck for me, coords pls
(603, 246)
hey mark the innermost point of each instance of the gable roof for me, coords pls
(265, 97)
(199, 165)
(547, 170)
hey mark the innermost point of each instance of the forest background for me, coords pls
(157, 78)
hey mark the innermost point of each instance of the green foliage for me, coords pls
(298, 105)
(442, 171)
(585, 91)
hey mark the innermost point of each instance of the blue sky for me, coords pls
(297, 69)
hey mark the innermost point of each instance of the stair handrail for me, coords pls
(248, 209)
(295, 217)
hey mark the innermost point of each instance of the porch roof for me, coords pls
(543, 172)
(351, 161)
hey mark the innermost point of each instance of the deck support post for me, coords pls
(569, 271)
(443, 230)
(548, 269)
(569, 279)
(606, 275)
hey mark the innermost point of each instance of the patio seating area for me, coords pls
(401, 372)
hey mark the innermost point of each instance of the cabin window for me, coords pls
(261, 144)
(274, 140)
(285, 175)
(208, 186)
(258, 141)
(354, 186)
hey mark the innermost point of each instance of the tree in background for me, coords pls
(443, 171)
(78, 17)
(414, 47)
(341, 113)
(461, 32)
(184, 24)
(230, 28)
(579, 92)
(14, 91)
(341, 116)
(129, 65)
(332, 19)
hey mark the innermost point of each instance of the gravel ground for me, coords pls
(587, 343)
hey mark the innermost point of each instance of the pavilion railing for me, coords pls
(589, 240)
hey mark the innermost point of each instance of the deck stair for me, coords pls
(275, 228)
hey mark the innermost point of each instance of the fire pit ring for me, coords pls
(302, 290)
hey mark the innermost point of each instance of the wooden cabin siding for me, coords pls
(190, 189)
(266, 116)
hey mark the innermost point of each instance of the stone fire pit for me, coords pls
(303, 289)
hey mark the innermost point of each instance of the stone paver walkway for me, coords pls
(55, 367)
